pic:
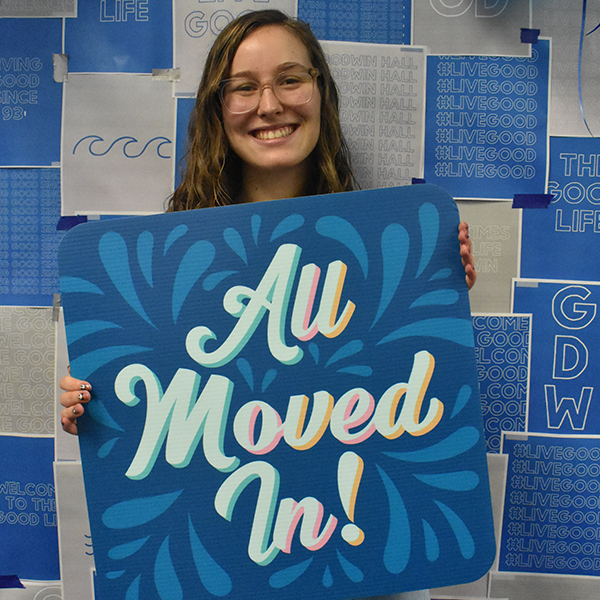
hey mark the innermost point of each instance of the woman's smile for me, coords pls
(273, 134)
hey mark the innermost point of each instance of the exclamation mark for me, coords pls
(350, 470)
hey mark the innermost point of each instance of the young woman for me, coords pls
(265, 126)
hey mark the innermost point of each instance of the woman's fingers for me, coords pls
(76, 393)
(466, 254)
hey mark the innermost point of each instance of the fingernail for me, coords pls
(74, 411)
(83, 386)
(80, 396)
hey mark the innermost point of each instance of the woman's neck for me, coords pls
(261, 185)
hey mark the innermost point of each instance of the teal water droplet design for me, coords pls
(344, 232)
(327, 577)
(463, 536)
(432, 544)
(114, 574)
(395, 245)
(456, 443)
(126, 550)
(352, 571)
(133, 591)
(234, 240)
(173, 236)
(165, 578)
(349, 349)
(464, 395)
(360, 370)
(245, 368)
(115, 259)
(436, 298)
(457, 481)
(145, 246)
(441, 274)
(287, 225)
(81, 329)
(213, 577)
(73, 285)
(107, 447)
(397, 548)
(255, 223)
(197, 259)
(429, 220)
(97, 410)
(283, 578)
(86, 364)
(459, 331)
(139, 511)
(268, 379)
(214, 279)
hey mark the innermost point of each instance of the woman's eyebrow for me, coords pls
(282, 68)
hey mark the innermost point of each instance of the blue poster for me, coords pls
(486, 124)
(285, 399)
(114, 36)
(30, 99)
(502, 352)
(185, 106)
(387, 22)
(563, 394)
(551, 522)
(563, 239)
(29, 547)
(29, 214)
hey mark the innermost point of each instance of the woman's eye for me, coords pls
(245, 87)
(291, 80)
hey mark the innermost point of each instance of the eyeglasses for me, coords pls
(292, 88)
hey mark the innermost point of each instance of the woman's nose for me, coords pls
(268, 103)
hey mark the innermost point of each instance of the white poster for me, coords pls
(382, 90)
(118, 144)
(495, 231)
(572, 63)
(39, 8)
(478, 27)
(197, 25)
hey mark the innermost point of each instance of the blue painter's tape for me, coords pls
(66, 223)
(530, 36)
(10, 581)
(532, 200)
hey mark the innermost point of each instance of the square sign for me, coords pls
(285, 399)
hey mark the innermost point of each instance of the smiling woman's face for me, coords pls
(273, 137)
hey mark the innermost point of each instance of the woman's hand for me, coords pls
(466, 254)
(76, 393)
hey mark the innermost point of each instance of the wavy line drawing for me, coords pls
(96, 139)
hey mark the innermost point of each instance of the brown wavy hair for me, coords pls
(213, 171)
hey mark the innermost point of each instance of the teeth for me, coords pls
(272, 135)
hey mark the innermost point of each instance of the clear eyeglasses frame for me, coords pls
(240, 95)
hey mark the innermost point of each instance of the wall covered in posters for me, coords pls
(94, 102)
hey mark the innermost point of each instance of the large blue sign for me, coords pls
(30, 99)
(28, 529)
(285, 399)
(563, 397)
(550, 522)
(502, 350)
(563, 239)
(486, 124)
